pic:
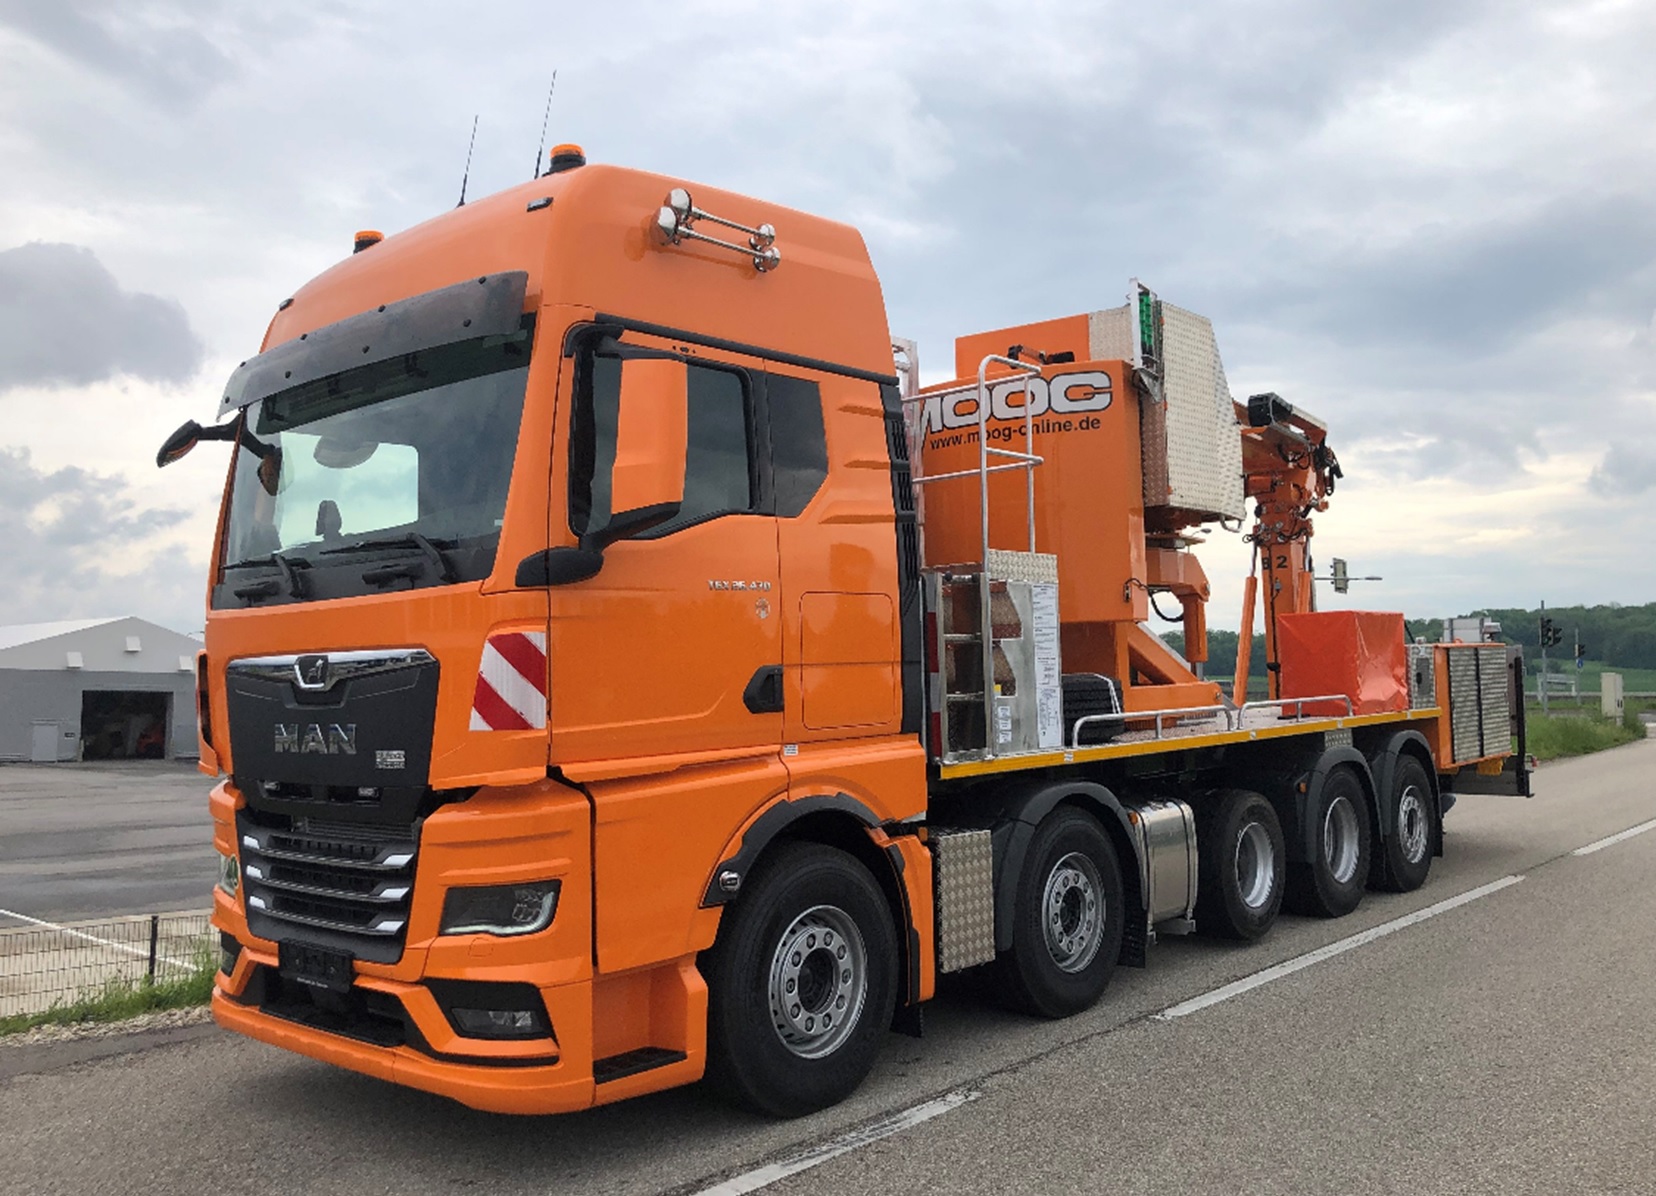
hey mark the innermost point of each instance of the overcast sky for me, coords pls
(1430, 222)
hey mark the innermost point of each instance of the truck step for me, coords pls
(630, 1063)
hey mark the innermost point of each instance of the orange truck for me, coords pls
(622, 671)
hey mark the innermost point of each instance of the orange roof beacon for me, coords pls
(621, 671)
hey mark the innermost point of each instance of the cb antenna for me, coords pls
(467, 174)
(540, 147)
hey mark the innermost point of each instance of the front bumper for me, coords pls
(391, 1024)
(495, 1076)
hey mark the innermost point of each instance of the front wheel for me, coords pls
(801, 983)
(1068, 918)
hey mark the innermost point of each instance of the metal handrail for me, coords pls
(1158, 715)
(1297, 703)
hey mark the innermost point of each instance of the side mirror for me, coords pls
(178, 444)
(652, 432)
(189, 433)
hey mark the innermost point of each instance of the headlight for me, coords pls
(229, 878)
(500, 909)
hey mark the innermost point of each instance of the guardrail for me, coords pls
(47, 964)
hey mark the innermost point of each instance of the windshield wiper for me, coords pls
(385, 573)
(270, 586)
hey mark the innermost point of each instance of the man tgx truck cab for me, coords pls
(596, 710)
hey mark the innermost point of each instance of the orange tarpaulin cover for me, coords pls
(1359, 653)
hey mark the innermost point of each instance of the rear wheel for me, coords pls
(1243, 866)
(1068, 918)
(801, 983)
(1331, 884)
(1408, 846)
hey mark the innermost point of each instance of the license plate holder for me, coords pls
(316, 967)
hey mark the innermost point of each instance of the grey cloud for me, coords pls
(65, 321)
(154, 47)
(1471, 290)
(61, 532)
(1625, 470)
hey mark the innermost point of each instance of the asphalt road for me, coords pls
(1506, 1044)
(97, 840)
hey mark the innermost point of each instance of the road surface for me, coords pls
(82, 841)
(1493, 1032)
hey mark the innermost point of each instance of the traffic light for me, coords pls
(1551, 633)
(1581, 655)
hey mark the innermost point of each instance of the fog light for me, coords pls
(229, 953)
(229, 878)
(500, 909)
(498, 1023)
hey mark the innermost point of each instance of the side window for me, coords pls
(799, 447)
(718, 466)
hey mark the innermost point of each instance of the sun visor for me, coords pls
(479, 307)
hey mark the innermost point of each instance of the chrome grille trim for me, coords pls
(342, 666)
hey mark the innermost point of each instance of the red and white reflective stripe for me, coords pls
(511, 683)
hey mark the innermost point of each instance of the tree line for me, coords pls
(1618, 636)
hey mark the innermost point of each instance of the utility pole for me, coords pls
(1546, 634)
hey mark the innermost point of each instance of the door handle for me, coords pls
(763, 694)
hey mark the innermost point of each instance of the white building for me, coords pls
(96, 689)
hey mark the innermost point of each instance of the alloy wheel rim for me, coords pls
(1411, 824)
(1255, 866)
(818, 982)
(1340, 839)
(1072, 912)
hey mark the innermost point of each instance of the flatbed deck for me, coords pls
(1183, 733)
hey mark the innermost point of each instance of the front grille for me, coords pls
(344, 886)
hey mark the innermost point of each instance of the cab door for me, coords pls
(674, 645)
(666, 664)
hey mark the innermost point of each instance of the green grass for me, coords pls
(122, 999)
(1551, 737)
(1633, 680)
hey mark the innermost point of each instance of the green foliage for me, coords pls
(1222, 652)
(1622, 637)
(1553, 736)
(121, 999)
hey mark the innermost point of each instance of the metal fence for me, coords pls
(51, 964)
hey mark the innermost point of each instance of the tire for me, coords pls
(778, 1038)
(1331, 884)
(1243, 863)
(1407, 853)
(1068, 918)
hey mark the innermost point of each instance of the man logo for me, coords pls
(311, 672)
(301, 738)
(1064, 394)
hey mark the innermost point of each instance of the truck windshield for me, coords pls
(400, 456)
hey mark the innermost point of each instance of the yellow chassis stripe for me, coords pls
(1150, 747)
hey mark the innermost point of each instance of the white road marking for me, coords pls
(92, 938)
(896, 1123)
(1301, 962)
(1617, 838)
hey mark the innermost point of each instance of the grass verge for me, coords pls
(121, 999)
(1552, 737)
